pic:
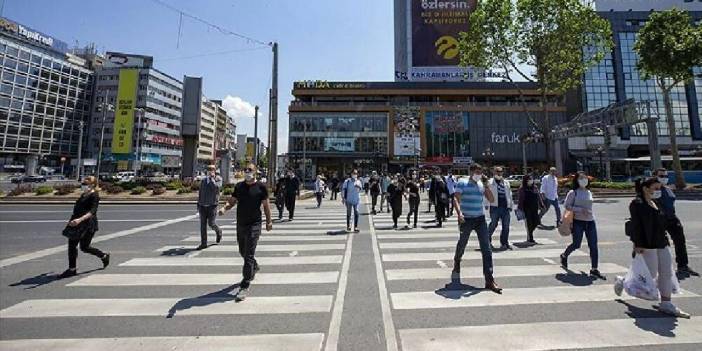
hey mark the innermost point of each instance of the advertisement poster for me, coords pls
(339, 144)
(436, 25)
(124, 111)
(406, 131)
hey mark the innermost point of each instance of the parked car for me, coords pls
(28, 179)
(125, 176)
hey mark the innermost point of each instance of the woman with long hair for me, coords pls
(83, 225)
(579, 200)
(529, 203)
(650, 241)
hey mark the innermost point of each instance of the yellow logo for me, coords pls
(447, 47)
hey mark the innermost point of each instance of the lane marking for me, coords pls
(230, 261)
(279, 238)
(501, 271)
(472, 254)
(612, 333)
(548, 260)
(260, 248)
(54, 250)
(433, 244)
(203, 279)
(264, 342)
(388, 323)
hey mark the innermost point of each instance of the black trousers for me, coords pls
(396, 213)
(84, 243)
(290, 205)
(319, 196)
(374, 200)
(208, 215)
(440, 209)
(334, 194)
(280, 205)
(247, 238)
(675, 230)
(449, 207)
(413, 209)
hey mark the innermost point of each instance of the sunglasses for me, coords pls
(250, 170)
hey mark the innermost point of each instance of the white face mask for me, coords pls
(248, 176)
(354, 176)
(656, 194)
(498, 177)
(530, 182)
(583, 182)
(477, 177)
(663, 180)
(84, 187)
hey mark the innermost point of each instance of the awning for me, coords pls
(663, 158)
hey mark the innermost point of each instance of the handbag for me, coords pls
(520, 214)
(73, 233)
(566, 226)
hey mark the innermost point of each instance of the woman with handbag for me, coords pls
(529, 203)
(82, 227)
(579, 201)
(647, 232)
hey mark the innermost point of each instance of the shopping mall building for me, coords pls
(338, 126)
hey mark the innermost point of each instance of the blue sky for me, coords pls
(319, 39)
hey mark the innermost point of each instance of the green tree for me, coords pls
(561, 39)
(669, 46)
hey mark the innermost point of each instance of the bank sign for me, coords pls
(29, 34)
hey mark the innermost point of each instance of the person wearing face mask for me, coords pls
(292, 191)
(374, 190)
(441, 199)
(384, 183)
(280, 196)
(84, 221)
(413, 192)
(501, 208)
(450, 185)
(579, 200)
(672, 223)
(395, 194)
(431, 191)
(250, 195)
(648, 223)
(207, 201)
(351, 197)
(319, 190)
(549, 190)
(468, 199)
(529, 203)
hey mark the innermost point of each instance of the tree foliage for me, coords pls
(669, 46)
(561, 39)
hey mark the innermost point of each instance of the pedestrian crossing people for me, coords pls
(250, 195)
(280, 196)
(207, 201)
(501, 207)
(351, 197)
(292, 191)
(374, 185)
(549, 191)
(319, 189)
(82, 226)
(450, 185)
(579, 200)
(471, 217)
(441, 199)
(384, 183)
(413, 186)
(395, 195)
(529, 203)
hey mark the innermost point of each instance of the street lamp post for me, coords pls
(137, 150)
(104, 105)
(600, 151)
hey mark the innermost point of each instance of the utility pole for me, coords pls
(102, 134)
(137, 150)
(81, 124)
(273, 156)
(304, 153)
(271, 172)
(256, 144)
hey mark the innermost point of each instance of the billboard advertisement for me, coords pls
(406, 131)
(124, 111)
(339, 144)
(119, 60)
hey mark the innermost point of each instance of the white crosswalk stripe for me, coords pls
(308, 236)
(413, 259)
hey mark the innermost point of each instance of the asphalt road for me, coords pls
(320, 288)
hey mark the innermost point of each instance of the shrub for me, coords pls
(159, 190)
(184, 190)
(65, 189)
(174, 185)
(114, 189)
(128, 185)
(152, 186)
(612, 185)
(195, 186)
(20, 189)
(44, 189)
(228, 191)
(138, 190)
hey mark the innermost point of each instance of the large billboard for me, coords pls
(124, 111)
(406, 131)
(427, 35)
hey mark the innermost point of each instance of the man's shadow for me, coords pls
(575, 279)
(178, 251)
(45, 278)
(650, 320)
(218, 296)
(456, 290)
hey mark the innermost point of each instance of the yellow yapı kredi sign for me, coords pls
(124, 111)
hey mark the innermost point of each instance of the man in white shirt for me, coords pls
(500, 207)
(451, 186)
(350, 197)
(549, 190)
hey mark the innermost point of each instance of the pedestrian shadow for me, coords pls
(384, 228)
(456, 290)
(525, 245)
(575, 279)
(547, 227)
(219, 296)
(684, 275)
(178, 251)
(337, 232)
(44, 279)
(650, 320)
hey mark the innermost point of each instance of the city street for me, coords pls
(320, 288)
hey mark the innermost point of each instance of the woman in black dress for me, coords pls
(529, 203)
(84, 221)
(413, 192)
(395, 191)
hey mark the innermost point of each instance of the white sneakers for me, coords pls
(667, 307)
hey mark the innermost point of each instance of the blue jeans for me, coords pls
(553, 203)
(349, 207)
(480, 226)
(500, 214)
(590, 230)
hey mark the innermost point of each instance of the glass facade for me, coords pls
(447, 133)
(641, 90)
(698, 91)
(600, 84)
(342, 123)
(43, 97)
(339, 132)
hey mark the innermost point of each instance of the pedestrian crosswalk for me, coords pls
(427, 307)
(304, 264)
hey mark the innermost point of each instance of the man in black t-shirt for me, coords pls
(250, 195)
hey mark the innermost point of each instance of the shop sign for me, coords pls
(505, 138)
(323, 84)
(462, 161)
(439, 160)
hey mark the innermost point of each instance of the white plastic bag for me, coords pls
(639, 283)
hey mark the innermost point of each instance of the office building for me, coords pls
(45, 95)
(206, 139)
